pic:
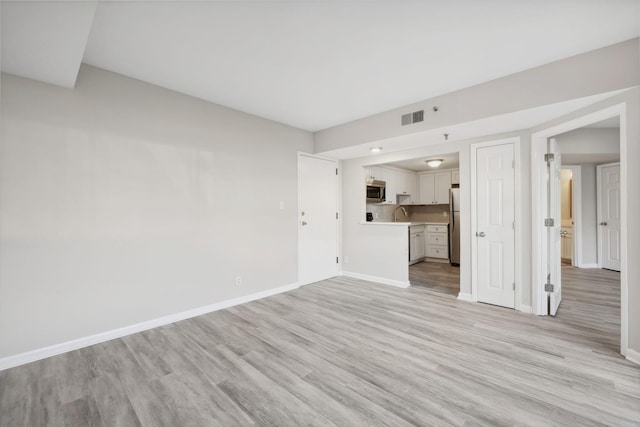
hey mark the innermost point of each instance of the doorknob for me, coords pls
(480, 234)
(564, 233)
(304, 222)
(603, 223)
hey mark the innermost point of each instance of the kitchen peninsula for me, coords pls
(428, 241)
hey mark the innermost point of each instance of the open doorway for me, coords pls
(590, 287)
(424, 192)
(592, 297)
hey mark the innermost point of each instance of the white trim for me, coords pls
(463, 296)
(517, 217)
(526, 309)
(632, 356)
(538, 211)
(53, 350)
(517, 233)
(589, 266)
(576, 208)
(376, 279)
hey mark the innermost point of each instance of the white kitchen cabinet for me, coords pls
(434, 188)
(376, 173)
(437, 242)
(427, 184)
(391, 180)
(455, 176)
(406, 188)
(406, 183)
(416, 244)
(443, 185)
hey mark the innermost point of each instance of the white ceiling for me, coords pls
(449, 161)
(610, 123)
(45, 40)
(596, 158)
(310, 64)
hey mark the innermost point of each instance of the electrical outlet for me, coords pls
(377, 215)
(445, 213)
(281, 205)
(238, 280)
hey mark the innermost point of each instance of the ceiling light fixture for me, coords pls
(434, 163)
(375, 149)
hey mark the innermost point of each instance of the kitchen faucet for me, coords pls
(395, 217)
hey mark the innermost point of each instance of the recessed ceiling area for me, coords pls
(311, 64)
(597, 143)
(449, 161)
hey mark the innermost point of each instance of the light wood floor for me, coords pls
(350, 353)
(437, 276)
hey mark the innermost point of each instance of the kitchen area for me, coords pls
(424, 195)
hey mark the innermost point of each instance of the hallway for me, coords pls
(591, 304)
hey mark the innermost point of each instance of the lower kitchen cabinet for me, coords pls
(416, 244)
(437, 242)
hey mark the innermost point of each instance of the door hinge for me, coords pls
(513, 225)
(336, 260)
(336, 215)
(549, 157)
(336, 171)
(513, 164)
(514, 286)
(549, 222)
(548, 287)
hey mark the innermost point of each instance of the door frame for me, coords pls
(338, 208)
(576, 208)
(517, 215)
(538, 211)
(599, 212)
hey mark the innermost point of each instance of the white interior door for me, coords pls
(317, 219)
(554, 237)
(495, 234)
(609, 215)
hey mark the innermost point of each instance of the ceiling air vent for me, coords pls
(415, 117)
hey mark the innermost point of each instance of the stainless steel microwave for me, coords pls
(376, 191)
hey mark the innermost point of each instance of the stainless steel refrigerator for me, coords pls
(454, 226)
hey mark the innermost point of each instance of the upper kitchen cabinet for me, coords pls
(427, 184)
(391, 180)
(434, 188)
(455, 176)
(376, 173)
(406, 188)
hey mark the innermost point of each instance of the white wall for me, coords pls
(123, 202)
(611, 68)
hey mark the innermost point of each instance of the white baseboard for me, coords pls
(390, 282)
(525, 309)
(588, 266)
(53, 350)
(632, 356)
(465, 297)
